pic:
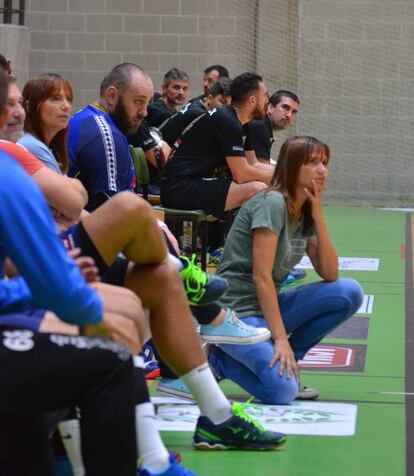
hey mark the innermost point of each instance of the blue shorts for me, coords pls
(27, 319)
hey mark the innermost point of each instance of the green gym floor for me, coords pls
(379, 380)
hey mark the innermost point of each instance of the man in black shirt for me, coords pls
(209, 170)
(211, 75)
(155, 150)
(174, 94)
(218, 96)
(280, 113)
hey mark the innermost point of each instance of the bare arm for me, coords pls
(10, 269)
(320, 248)
(80, 188)
(261, 164)
(65, 195)
(264, 252)
(123, 317)
(243, 172)
(149, 154)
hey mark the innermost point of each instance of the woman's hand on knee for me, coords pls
(286, 358)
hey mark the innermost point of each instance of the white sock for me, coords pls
(174, 261)
(151, 450)
(208, 395)
(70, 433)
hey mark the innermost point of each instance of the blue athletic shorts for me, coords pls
(28, 319)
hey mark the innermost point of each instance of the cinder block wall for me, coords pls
(83, 39)
(350, 61)
(14, 44)
(356, 83)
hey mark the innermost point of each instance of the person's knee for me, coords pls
(122, 301)
(280, 391)
(167, 276)
(132, 305)
(256, 187)
(352, 293)
(131, 206)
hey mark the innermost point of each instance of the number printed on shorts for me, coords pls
(21, 341)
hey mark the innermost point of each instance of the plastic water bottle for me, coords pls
(187, 235)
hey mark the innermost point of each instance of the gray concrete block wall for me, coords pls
(355, 78)
(350, 61)
(84, 39)
(14, 44)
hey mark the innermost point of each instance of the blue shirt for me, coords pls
(49, 277)
(98, 153)
(40, 150)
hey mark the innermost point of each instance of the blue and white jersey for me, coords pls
(98, 153)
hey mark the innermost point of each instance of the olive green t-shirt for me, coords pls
(264, 210)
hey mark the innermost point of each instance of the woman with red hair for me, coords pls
(47, 100)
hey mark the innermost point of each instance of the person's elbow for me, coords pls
(72, 208)
(330, 274)
(261, 280)
(80, 193)
(242, 175)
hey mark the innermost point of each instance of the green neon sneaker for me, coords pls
(201, 288)
(240, 432)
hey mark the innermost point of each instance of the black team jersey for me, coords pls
(143, 138)
(259, 137)
(206, 142)
(173, 127)
(158, 112)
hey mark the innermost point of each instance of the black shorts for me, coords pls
(77, 237)
(207, 194)
(48, 372)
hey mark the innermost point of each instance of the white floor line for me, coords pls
(396, 393)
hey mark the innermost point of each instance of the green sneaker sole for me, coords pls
(208, 446)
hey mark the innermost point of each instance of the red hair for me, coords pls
(35, 92)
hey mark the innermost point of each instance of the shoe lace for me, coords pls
(235, 321)
(195, 276)
(239, 410)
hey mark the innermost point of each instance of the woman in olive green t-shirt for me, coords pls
(270, 234)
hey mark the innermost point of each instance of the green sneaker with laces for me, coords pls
(201, 288)
(239, 432)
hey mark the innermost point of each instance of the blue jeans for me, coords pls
(309, 313)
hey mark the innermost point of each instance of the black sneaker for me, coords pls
(240, 432)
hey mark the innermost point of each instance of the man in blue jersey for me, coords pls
(39, 372)
(98, 150)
